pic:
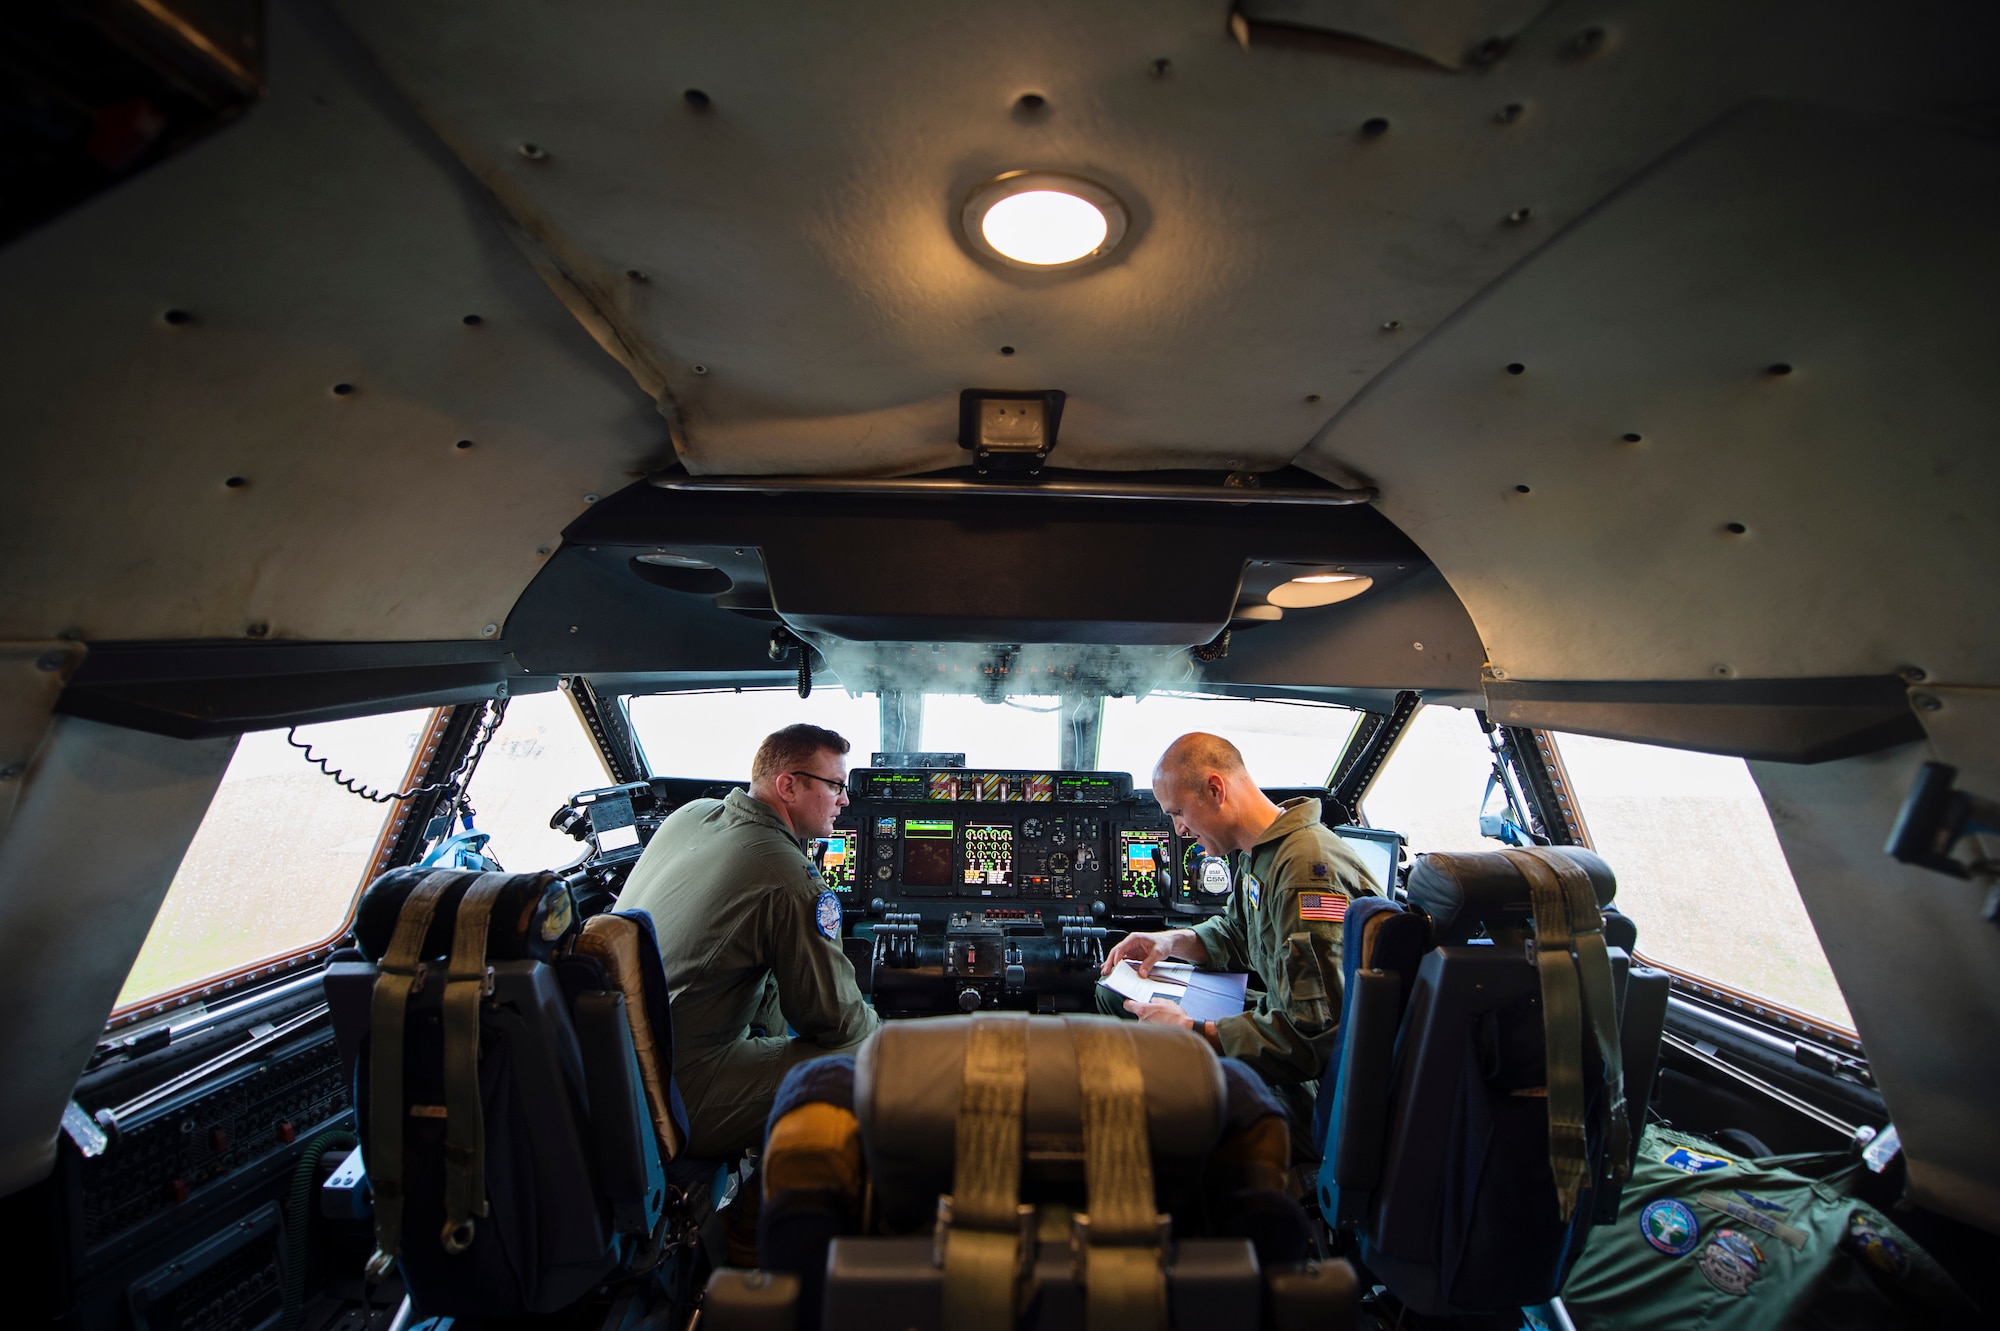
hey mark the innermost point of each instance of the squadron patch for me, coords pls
(1670, 1227)
(1731, 1262)
(1865, 1237)
(1254, 890)
(1690, 1161)
(826, 914)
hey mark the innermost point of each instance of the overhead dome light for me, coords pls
(1043, 220)
(1313, 589)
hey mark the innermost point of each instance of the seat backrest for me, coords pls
(523, 1168)
(623, 942)
(1438, 1153)
(887, 1125)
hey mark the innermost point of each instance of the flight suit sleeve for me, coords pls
(1226, 936)
(817, 991)
(1291, 1035)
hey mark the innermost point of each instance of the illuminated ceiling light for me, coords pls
(1042, 220)
(1313, 589)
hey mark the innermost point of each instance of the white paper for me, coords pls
(1204, 996)
(1126, 981)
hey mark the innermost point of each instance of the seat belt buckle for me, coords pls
(1024, 1226)
(1079, 1242)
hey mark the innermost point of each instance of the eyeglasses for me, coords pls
(839, 787)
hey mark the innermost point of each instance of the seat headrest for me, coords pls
(906, 1093)
(532, 917)
(1463, 890)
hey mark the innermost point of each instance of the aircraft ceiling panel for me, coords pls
(808, 303)
(1832, 520)
(323, 239)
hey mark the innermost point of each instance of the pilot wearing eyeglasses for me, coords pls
(750, 936)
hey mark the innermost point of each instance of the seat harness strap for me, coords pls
(399, 975)
(1123, 1238)
(467, 984)
(1575, 972)
(982, 1244)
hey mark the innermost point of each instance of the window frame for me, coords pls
(226, 984)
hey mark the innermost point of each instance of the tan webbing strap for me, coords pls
(395, 979)
(465, 1121)
(1562, 1028)
(1600, 1007)
(1125, 1285)
(982, 1248)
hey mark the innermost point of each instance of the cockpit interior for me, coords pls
(443, 440)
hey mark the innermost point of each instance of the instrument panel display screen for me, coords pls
(1141, 856)
(989, 857)
(927, 848)
(835, 857)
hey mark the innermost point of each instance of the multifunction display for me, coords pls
(989, 858)
(1142, 858)
(927, 853)
(835, 857)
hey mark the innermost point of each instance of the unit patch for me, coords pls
(1670, 1227)
(1731, 1262)
(826, 914)
(1254, 890)
(1865, 1237)
(1690, 1161)
(1322, 906)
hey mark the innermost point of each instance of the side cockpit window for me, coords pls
(1433, 787)
(1700, 869)
(539, 757)
(281, 854)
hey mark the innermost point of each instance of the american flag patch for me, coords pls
(1322, 906)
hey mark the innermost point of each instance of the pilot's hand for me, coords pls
(1168, 1014)
(1144, 951)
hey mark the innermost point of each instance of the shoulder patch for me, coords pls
(1319, 868)
(1253, 891)
(826, 914)
(1327, 906)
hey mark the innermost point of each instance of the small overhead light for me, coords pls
(1311, 589)
(1043, 220)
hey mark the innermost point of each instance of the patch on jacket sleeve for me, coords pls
(826, 914)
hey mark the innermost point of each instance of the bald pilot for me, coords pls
(1293, 880)
(749, 935)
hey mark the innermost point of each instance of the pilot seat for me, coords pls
(1497, 1054)
(1005, 1170)
(512, 1075)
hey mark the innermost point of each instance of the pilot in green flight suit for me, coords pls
(1294, 878)
(749, 935)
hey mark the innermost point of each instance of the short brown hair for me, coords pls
(792, 748)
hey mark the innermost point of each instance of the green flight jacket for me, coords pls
(1292, 1031)
(733, 895)
(1710, 1241)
